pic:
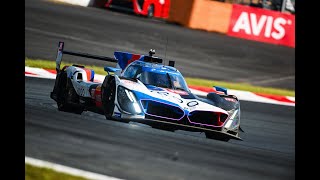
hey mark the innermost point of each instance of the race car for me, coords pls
(141, 88)
(148, 8)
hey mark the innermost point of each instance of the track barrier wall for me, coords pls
(232, 19)
(210, 15)
(201, 14)
(235, 20)
(180, 11)
(262, 25)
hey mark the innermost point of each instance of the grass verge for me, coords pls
(191, 81)
(37, 173)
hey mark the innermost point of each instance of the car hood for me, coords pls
(182, 99)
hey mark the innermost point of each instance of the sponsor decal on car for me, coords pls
(116, 114)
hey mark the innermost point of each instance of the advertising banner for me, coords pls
(262, 25)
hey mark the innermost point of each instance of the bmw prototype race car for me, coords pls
(142, 89)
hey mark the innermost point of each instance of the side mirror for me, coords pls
(116, 71)
(221, 89)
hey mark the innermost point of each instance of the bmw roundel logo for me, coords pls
(192, 103)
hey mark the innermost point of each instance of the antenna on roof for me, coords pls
(171, 63)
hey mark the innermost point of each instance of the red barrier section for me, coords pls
(262, 25)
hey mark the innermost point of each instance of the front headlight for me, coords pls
(127, 101)
(233, 121)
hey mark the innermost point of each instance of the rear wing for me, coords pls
(125, 58)
(61, 51)
(121, 58)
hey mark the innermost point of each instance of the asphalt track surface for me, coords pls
(136, 151)
(197, 53)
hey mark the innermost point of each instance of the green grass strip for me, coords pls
(191, 81)
(239, 86)
(37, 173)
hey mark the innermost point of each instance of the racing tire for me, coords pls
(216, 136)
(67, 94)
(108, 96)
(150, 12)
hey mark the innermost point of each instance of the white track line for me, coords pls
(67, 170)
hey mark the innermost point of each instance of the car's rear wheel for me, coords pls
(67, 97)
(150, 13)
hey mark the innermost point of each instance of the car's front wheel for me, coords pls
(108, 96)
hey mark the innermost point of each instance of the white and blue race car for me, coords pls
(142, 89)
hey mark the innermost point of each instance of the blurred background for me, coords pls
(238, 41)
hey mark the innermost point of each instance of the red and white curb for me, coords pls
(201, 91)
(67, 170)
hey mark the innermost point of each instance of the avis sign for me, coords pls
(262, 25)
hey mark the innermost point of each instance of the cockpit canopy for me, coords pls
(156, 75)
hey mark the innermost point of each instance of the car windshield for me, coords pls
(165, 80)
